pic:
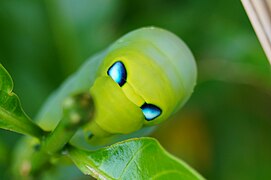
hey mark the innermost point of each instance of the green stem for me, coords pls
(77, 111)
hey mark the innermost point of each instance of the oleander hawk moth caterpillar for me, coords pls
(140, 80)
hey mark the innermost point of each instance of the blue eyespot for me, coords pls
(150, 111)
(118, 73)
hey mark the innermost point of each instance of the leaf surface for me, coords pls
(12, 116)
(137, 158)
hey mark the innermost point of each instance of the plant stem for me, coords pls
(77, 111)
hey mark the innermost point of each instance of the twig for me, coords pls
(77, 111)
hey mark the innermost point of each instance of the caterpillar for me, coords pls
(138, 81)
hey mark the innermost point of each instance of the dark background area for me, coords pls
(223, 131)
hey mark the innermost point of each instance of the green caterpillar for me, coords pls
(140, 80)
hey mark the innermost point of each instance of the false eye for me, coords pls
(150, 111)
(118, 73)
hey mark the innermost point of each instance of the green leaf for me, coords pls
(12, 117)
(6, 83)
(138, 158)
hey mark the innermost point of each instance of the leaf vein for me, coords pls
(133, 157)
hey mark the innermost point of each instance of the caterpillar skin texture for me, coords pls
(140, 80)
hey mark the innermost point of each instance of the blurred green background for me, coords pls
(224, 130)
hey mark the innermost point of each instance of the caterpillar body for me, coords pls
(140, 80)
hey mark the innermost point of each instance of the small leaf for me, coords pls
(12, 117)
(138, 158)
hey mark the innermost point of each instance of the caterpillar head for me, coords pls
(145, 76)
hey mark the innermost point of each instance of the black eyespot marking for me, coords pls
(118, 73)
(150, 111)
